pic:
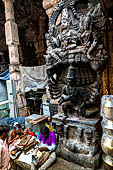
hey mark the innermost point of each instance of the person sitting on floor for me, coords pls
(4, 152)
(47, 140)
(15, 133)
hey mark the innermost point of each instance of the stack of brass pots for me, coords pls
(107, 125)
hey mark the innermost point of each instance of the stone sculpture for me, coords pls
(76, 42)
(75, 60)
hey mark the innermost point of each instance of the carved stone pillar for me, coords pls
(75, 60)
(12, 40)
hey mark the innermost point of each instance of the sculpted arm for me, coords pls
(94, 44)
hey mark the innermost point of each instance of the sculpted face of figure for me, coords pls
(64, 24)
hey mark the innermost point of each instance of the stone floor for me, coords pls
(62, 164)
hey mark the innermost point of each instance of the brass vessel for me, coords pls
(107, 145)
(108, 162)
(107, 125)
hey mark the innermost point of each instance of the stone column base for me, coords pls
(79, 140)
(87, 161)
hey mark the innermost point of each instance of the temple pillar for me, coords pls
(12, 40)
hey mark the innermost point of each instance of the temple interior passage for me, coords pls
(56, 84)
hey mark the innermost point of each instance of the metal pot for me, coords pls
(107, 124)
(108, 108)
(108, 132)
(107, 145)
(108, 162)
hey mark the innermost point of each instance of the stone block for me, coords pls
(13, 54)
(85, 160)
(11, 32)
(79, 139)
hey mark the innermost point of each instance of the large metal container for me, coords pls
(3, 91)
(107, 144)
(108, 108)
(107, 125)
(108, 162)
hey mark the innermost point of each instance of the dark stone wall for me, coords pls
(32, 24)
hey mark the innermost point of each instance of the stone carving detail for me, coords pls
(79, 139)
(76, 56)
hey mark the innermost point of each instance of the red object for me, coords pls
(32, 134)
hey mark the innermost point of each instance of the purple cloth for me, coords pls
(50, 140)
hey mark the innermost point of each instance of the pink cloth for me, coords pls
(4, 156)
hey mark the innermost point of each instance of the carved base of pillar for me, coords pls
(87, 161)
(79, 140)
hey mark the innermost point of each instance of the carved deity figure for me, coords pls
(72, 97)
(76, 44)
